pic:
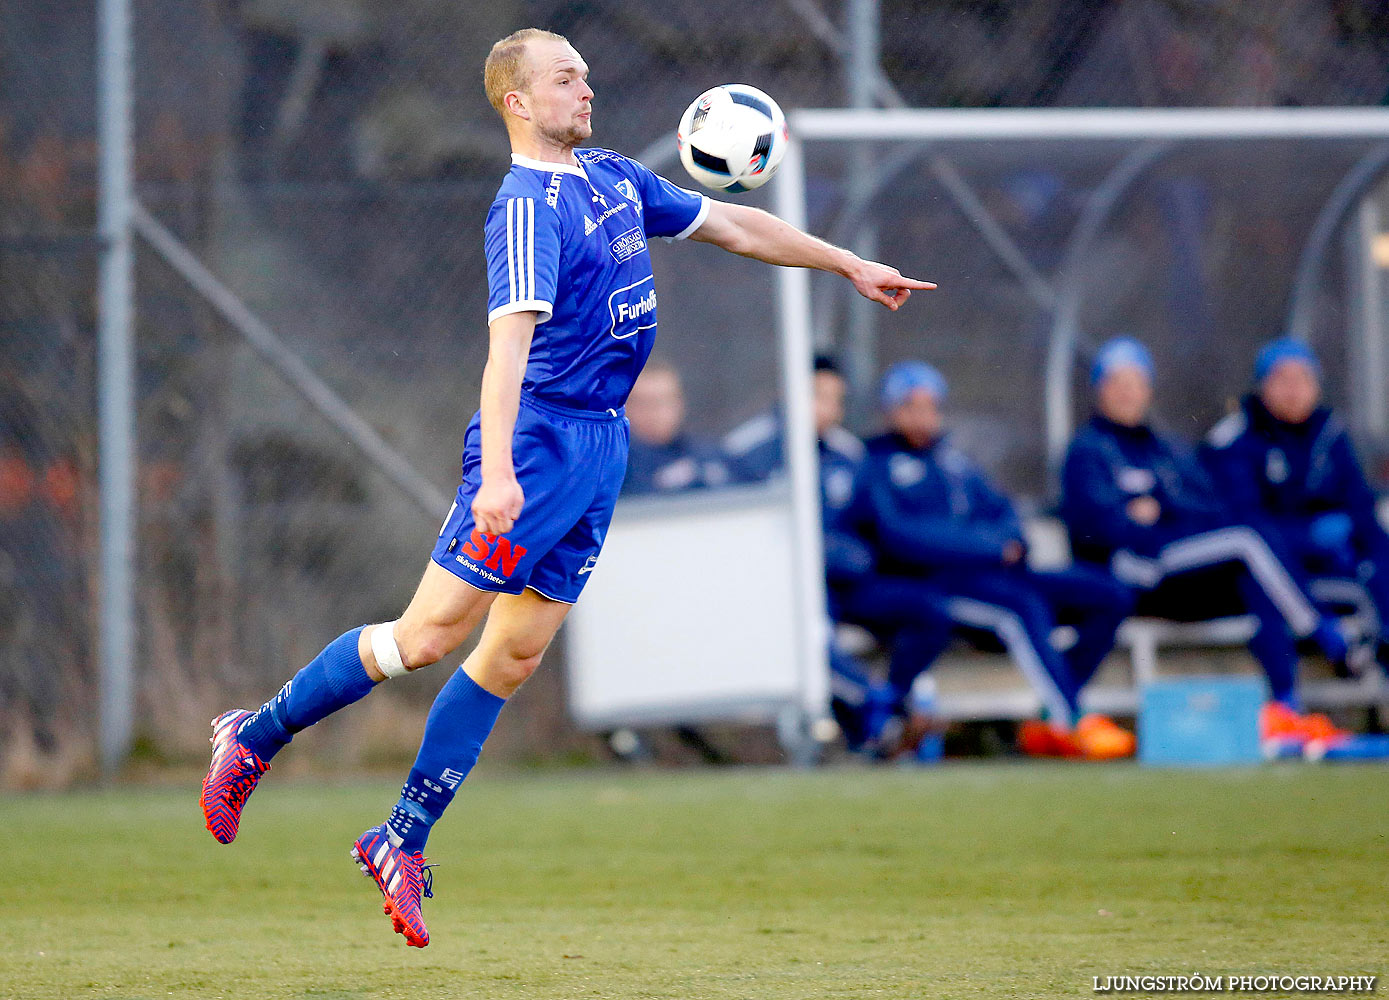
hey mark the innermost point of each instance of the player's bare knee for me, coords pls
(424, 649)
(512, 670)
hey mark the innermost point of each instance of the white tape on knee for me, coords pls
(385, 650)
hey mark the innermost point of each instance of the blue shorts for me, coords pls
(570, 464)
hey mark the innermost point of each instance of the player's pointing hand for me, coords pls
(885, 284)
(497, 505)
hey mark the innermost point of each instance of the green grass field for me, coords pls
(963, 881)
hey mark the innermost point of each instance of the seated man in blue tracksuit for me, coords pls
(1286, 463)
(1140, 504)
(930, 515)
(663, 457)
(906, 615)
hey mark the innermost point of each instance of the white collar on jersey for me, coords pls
(549, 168)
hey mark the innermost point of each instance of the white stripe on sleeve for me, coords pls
(510, 252)
(530, 247)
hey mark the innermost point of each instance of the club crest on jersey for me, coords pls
(1135, 480)
(905, 470)
(633, 308)
(628, 245)
(628, 190)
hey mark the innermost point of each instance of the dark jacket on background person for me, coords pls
(1289, 477)
(928, 509)
(1107, 466)
(683, 464)
(755, 453)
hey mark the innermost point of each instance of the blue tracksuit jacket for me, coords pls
(1288, 477)
(1108, 465)
(928, 510)
(755, 454)
(930, 515)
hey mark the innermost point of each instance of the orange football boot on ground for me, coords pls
(1038, 738)
(1100, 739)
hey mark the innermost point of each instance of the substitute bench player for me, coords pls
(571, 321)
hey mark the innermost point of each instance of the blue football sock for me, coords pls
(459, 722)
(335, 679)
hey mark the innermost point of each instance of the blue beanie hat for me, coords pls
(905, 377)
(1275, 352)
(1121, 352)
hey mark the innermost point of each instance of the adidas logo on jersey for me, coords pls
(590, 225)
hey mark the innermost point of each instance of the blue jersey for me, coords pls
(569, 243)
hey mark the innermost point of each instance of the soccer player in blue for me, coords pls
(572, 318)
(932, 518)
(1139, 503)
(1285, 462)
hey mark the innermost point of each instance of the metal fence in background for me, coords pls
(330, 163)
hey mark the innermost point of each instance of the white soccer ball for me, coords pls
(732, 138)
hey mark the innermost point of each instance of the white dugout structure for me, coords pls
(667, 634)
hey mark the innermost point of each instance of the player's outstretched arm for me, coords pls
(498, 502)
(752, 232)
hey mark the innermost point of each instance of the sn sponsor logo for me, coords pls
(496, 552)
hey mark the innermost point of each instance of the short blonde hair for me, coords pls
(505, 69)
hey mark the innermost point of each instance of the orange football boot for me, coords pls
(1100, 739)
(1038, 738)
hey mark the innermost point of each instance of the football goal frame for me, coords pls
(1153, 136)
